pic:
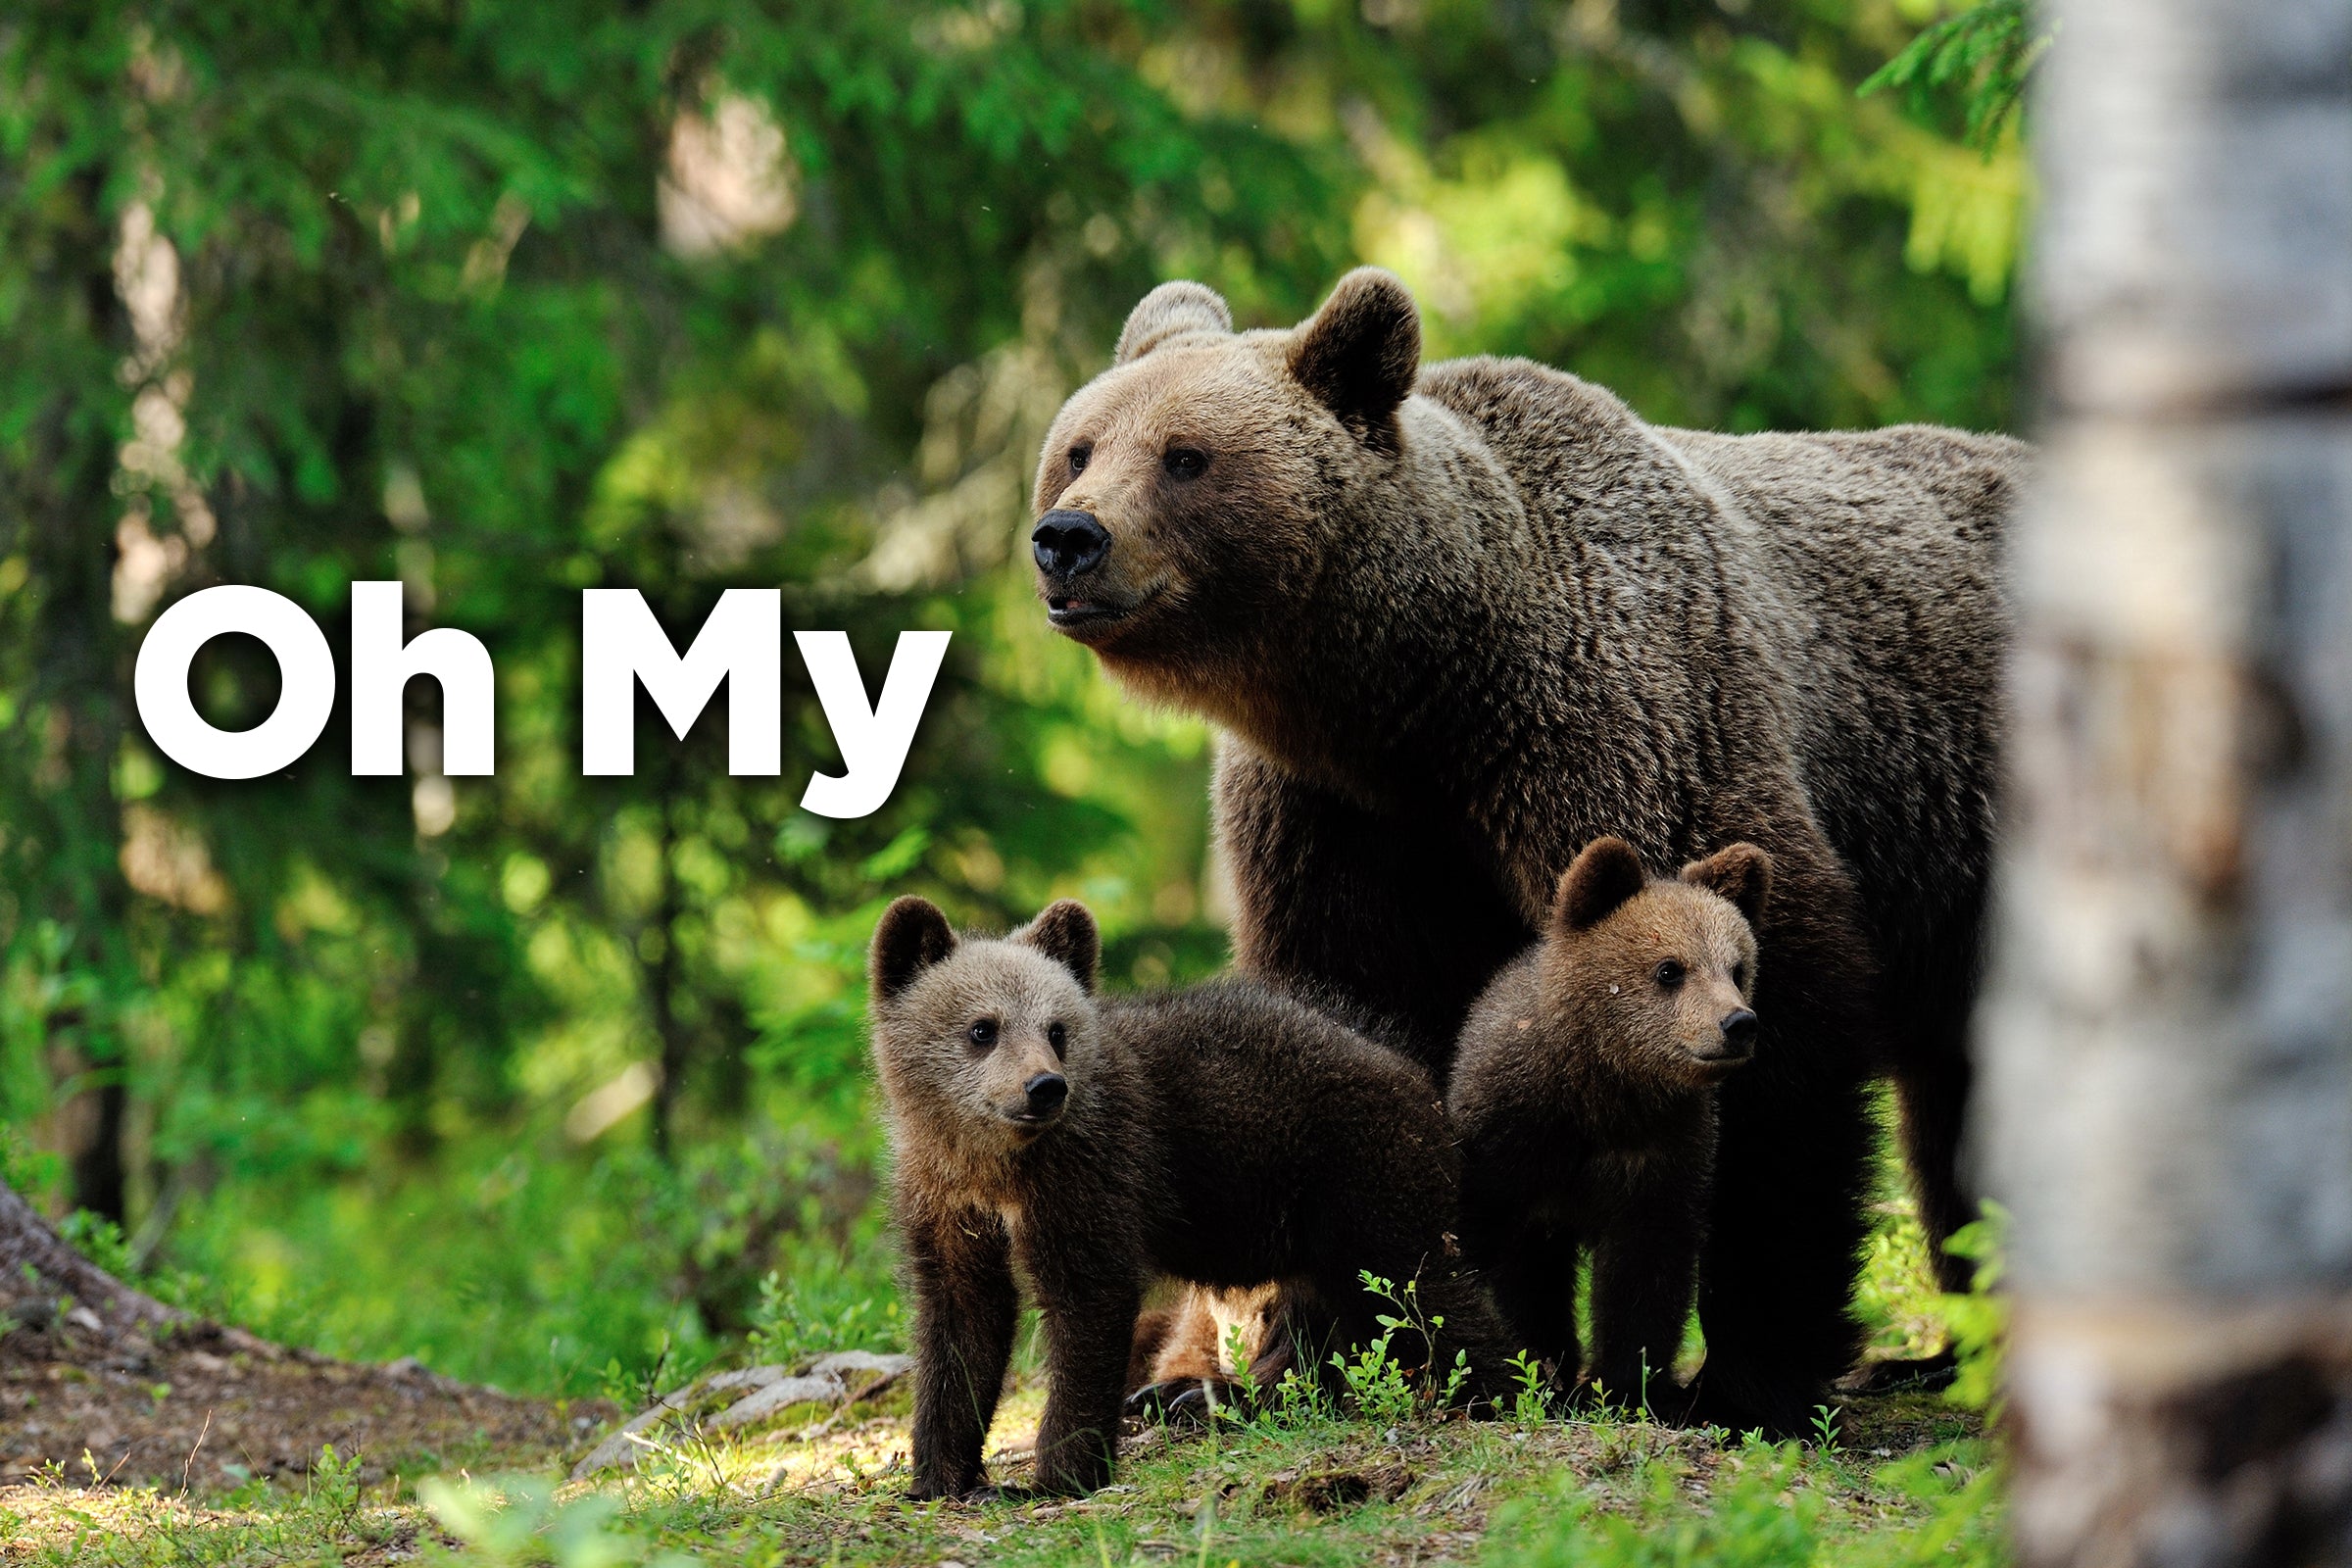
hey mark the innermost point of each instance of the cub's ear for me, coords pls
(1358, 355)
(1603, 877)
(912, 937)
(1065, 931)
(1167, 311)
(1741, 873)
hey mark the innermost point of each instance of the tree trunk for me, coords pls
(36, 1266)
(2166, 1040)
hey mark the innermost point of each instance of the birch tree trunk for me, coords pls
(2167, 1041)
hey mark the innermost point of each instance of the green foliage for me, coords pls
(1827, 1425)
(823, 1308)
(1979, 1321)
(516, 1520)
(1386, 1383)
(97, 1239)
(1766, 1509)
(1759, 1520)
(1530, 1399)
(1983, 55)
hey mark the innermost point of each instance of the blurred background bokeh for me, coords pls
(550, 1080)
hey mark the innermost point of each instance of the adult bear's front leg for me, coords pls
(1395, 924)
(1787, 1220)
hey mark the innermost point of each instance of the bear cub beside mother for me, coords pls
(1223, 1135)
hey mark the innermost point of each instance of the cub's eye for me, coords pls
(1669, 973)
(1739, 976)
(1185, 463)
(982, 1034)
(1079, 455)
(1057, 1037)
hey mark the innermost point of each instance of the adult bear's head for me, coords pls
(1189, 498)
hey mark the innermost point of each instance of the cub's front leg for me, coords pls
(1531, 1269)
(965, 1309)
(1644, 1270)
(1090, 1298)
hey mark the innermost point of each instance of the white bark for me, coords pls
(2167, 1042)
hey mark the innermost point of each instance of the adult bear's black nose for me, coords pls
(1739, 1031)
(1069, 544)
(1047, 1090)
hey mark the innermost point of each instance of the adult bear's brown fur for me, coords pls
(1459, 620)
(1583, 1090)
(1224, 1135)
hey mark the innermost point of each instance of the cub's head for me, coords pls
(1181, 494)
(983, 1040)
(1660, 972)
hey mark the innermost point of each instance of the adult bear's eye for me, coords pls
(1739, 976)
(982, 1034)
(1057, 1037)
(1186, 463)
(1670, 974)
(1078, 456)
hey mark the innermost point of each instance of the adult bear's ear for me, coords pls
(1358, 355)
(1606, 874)
(912, 937)
(1065, 931)
(1741, 873)
(1167, 311)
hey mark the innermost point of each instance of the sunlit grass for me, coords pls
(1317, 1490)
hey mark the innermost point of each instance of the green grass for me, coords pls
(1322, 1491)
(1894, 1480)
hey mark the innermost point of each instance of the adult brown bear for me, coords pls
(1458, 621)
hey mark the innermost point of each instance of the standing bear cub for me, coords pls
(1223, 1135)
(1584, 1090)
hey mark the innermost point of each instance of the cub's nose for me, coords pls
(1068, 544)
(1045, 1093)
(1739, 1032)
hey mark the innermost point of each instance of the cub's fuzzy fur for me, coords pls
(1583, 1090)
(1459, 620)
(1223, 1135)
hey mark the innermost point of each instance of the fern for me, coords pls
(1987, 53)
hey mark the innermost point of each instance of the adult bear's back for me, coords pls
(1860, 571)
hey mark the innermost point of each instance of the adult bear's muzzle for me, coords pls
(1068, 544)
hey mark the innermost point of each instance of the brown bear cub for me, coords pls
(1222, 1134)
(1584, 1095)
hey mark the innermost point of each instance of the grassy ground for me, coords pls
(1902, 1478)
(1907, 1480)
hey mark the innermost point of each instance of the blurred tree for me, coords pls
(2170, 1037)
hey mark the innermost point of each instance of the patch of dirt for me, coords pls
(107, 1384)
(1328, 1491)
(203, 1407)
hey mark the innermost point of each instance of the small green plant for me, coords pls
(1382, 1388)
(332, 1494)
(100, 1240)
(1240, 1354)
(1377, 1385)
(1299, 1401)
(815, 1314)
(1826, 1421)
(1530, 1399)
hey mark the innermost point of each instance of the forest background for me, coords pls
(553, 1081)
